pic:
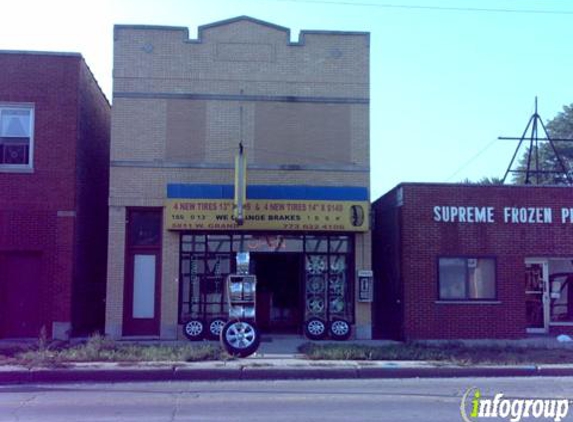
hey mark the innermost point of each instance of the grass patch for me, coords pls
(454, 353)
(100, 349)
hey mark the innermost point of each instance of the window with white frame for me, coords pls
(467, 279)
(16, 136)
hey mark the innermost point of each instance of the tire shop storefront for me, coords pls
(302, 251)
(472, 261)
(183, 108)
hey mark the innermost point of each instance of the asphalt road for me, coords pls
(396, 400)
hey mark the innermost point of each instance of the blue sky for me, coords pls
(445, 82)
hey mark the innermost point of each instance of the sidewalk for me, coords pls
(276, 359)
(265, 368)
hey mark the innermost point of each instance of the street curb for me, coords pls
(204, 374)
(285, 373)
(243, 373)
(448, 372)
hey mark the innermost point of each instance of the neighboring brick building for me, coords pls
(54, 168)
(473, 261)
(181, 107)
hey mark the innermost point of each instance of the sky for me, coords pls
(448, 77)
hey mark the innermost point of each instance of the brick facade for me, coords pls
(181, 106)
(411, 236)
(55, 212)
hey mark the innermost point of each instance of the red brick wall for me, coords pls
(92, 190)
(39, 210)
(386, 263)
(424, 240)
(50, 82)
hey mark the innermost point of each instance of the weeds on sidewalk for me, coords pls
(452, 352)
(101, 349)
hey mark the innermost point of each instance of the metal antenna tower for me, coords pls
(534, 171)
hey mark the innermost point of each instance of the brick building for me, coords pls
(472, 261)
(181, 108)
(54, 166)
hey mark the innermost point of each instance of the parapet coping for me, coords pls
(202, 28)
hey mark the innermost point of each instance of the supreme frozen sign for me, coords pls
(508, 215)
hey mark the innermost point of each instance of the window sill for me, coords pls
(468, 302)
(561, 324)
(25, 170)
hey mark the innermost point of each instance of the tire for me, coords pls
(315, 329)
(339, 329)
(214, 328)
(194, 329)
(240, 338)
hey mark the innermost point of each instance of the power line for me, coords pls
(471, 160)
(433, 8)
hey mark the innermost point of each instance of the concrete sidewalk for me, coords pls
(278, 358)
(257, 368)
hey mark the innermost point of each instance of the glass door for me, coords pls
(536, 295)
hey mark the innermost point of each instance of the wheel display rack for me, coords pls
(326, 287)
(326, 297)
(207, 310)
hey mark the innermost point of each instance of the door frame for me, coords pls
(149, 327)
(544, 262)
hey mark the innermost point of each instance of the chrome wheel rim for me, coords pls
(316, 284)
(194, 328)
(315, 304)
(240, 335)
(340, 328)
(337, 305)
(315, 264)
(316, 328)
(217, 326)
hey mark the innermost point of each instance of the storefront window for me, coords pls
(466, 279)
(328, 289)
(205, 263)
(561, 285)
(325, 274)
(314, 244)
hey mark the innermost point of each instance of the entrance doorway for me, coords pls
(548, 293)
(536, 295)
(20, 295)
(279, 307)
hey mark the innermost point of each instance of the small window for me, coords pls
(467, 279)
(561, 285)
(144, 228)
(16, 137)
